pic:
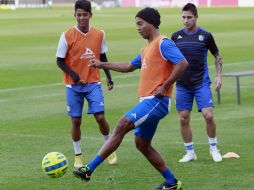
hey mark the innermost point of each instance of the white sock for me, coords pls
(212, 143)
(77, 147)
(106, 137)
(189, 147)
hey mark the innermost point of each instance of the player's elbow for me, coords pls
(60, 61)
(129, 68)
(184, 64)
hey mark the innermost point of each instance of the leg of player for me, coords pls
(144, 146)
(122, 128)
(104, 128)
(186, 132)
(76, 135)
(74, 103)
(211, 132)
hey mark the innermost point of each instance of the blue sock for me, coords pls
(189, 147)
(213, 143)
(169, 176)
(96, 161)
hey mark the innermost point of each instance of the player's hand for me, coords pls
(81, 81)
(160, 92)
(96, 63)
(110, 84)
(217, 83)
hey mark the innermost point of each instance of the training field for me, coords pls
(33, 117)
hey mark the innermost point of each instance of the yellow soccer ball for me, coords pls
(54, 164)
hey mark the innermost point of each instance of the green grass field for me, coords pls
(33, 117)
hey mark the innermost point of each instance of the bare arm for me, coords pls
(123, 67)
(176, 73)
(218, 66)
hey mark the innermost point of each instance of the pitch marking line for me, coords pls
(116, 77)
(55, 94)
(61, 84)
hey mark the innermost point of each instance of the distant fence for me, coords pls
(5, 2)
(45, 3)
(180, 3)
(135, 3)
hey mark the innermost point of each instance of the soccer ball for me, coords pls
(54, 164)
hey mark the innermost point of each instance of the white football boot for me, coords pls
(216, 155)
(189, 156)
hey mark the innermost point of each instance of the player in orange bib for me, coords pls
(160, 63)
(77, 46)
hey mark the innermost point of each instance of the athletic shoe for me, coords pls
(79, 161)
(176, 186)
(188, 157)
(83, 173)
(112, 158)
(216, 155)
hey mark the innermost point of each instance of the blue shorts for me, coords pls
(185, 97)
(76, 94)
(147, 114)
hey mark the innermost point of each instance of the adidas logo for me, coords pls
(179, 37)
(134, 115)
(210, 101)
(89, 54)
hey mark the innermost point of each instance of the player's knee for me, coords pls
(208, 116)
(141, 146)
(124, 125)
(184, 119)
(76, 122)
(100, 119)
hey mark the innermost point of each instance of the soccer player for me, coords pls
(77, 46)
(160, 63)
(194, 42)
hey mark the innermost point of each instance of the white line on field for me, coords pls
(58, 84)
(31, 97)
(29, 87)
(127, 138)
(86, 137)
(200, 143)
(55, 94)
(232, 64)
(116, 77)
